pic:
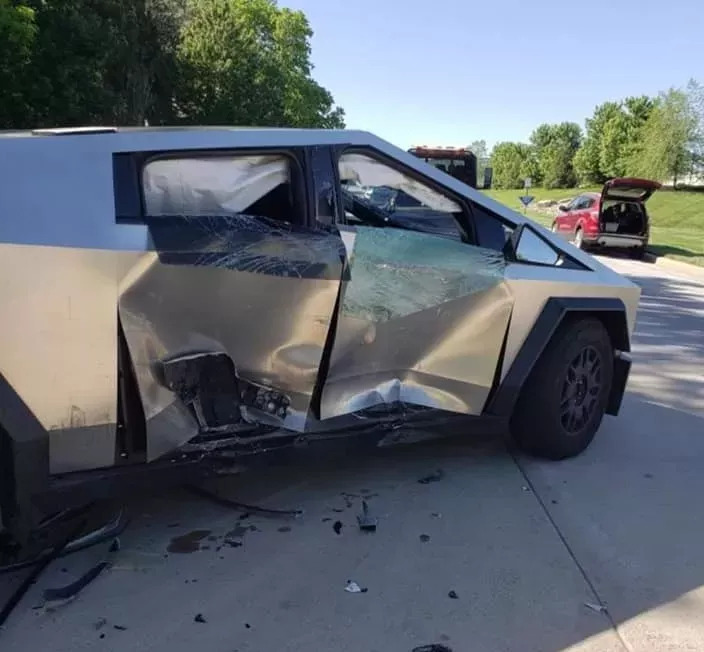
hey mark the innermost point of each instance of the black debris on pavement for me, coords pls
(115, 545)
(102, 636)
(433, 647)
(424, 538)
(337, 510)
(433, 477)
(284, 528)
(648, 475)
(366, 522)
(247, 626)
(253, 528)
(243, 516)
(200, 619)
(68, 591)
(436, 514)
(238, 531)
(554, 502)
(242, 507)
(337, 526)
(120, 628)
(453, 595)
(326, 519)
(187, 543)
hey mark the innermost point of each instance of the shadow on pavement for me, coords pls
(629, 510)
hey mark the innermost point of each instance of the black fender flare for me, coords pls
(610, 310)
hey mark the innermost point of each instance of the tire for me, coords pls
(557, 415)
(579, 239)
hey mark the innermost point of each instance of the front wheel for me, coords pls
(564, 399)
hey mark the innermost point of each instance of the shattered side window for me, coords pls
(376, 194)
(219, 185)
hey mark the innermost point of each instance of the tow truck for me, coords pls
(459, 162)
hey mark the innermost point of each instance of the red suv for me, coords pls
(615, 219)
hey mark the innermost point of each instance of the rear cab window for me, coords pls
(261, 185)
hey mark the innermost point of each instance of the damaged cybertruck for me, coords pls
(177, 302)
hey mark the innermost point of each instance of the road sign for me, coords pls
(527, 182)
(526, 199)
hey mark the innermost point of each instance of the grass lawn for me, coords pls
(677, 219)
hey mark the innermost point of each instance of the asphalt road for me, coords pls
(525, 545)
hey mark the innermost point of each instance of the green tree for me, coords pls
(248, 62)
(695, 97)
(510, 161)
(17, 34)
(555, 146)
(612, 139)
(666, 138)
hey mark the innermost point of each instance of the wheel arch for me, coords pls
(611, 311)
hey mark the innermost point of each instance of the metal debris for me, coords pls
(599, 608)
(353, 587)
(366, 523)
(433, 477)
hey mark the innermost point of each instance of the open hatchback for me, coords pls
(623, 219)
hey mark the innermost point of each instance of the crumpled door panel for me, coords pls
(422, 321)
(244, 299)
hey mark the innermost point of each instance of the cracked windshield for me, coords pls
(351, 327)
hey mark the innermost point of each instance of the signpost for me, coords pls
(526, 198)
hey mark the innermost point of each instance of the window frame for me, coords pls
(127, 192)
(466, 231)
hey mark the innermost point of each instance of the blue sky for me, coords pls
(448, 72)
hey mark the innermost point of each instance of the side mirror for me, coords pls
(529, 247)
(562, 208)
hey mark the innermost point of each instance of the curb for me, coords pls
(675, 265)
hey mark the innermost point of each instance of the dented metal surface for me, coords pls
(258, 292)
(422, 321)
(195, 281)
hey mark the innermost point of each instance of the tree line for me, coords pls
(659, 138)
(98, 62)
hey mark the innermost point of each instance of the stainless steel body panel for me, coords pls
(58, 346)
(272, 322)
(69, 268)
(422, 321)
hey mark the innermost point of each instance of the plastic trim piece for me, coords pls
(612, 312)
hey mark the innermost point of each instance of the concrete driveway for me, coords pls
(524, 545)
